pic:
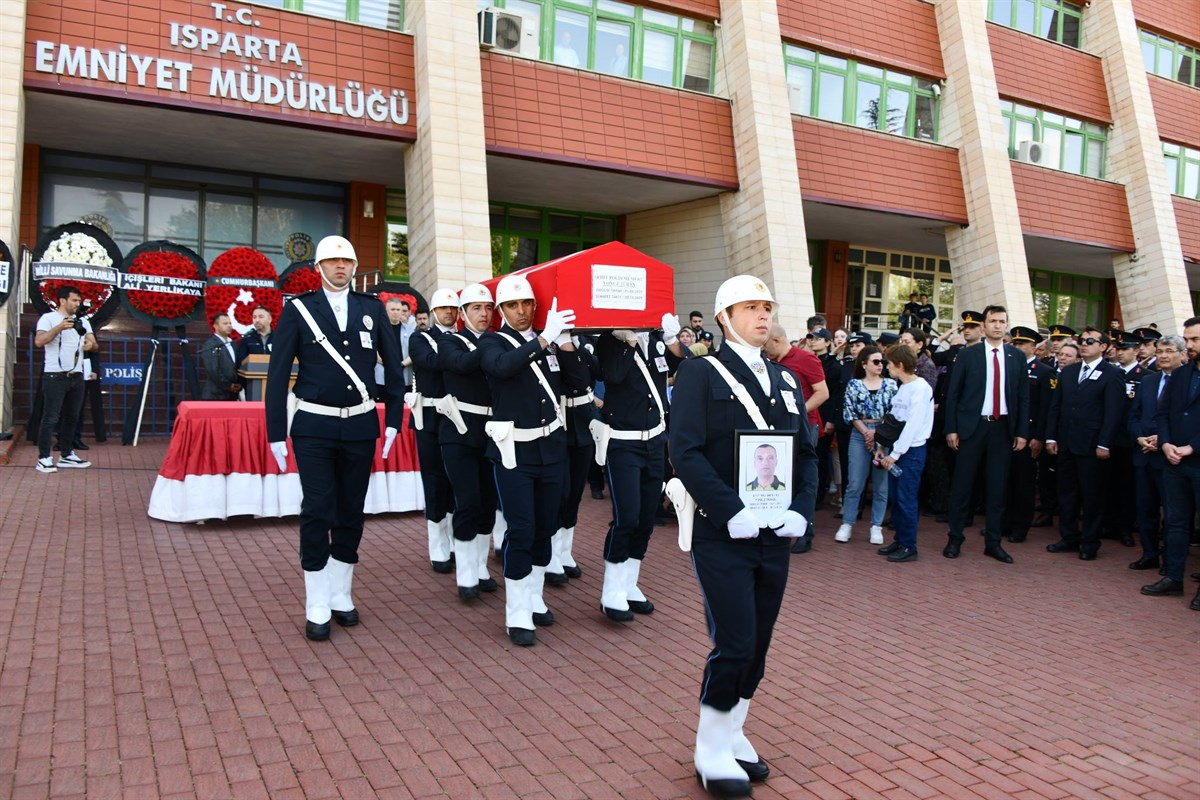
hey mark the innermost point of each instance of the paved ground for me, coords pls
(144, 659)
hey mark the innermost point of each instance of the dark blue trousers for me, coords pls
(334, 475)
(530, 497)
(1181, 497)
(635, 471)
(470, 476)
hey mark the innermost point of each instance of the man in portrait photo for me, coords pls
(766, 460)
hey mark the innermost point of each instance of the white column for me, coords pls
(12, 142)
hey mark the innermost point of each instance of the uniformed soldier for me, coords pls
(1147, 344)
(1048, 463)
(635, 368)
(426, 389)
(527, 373)
(740, 558)
(1026, 463)
(1121, 515)
(466, 407)
(334, 333)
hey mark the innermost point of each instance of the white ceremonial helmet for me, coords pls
(741, 289)
(513, 287)
(474, 293)
(444, 298)
(335, 247)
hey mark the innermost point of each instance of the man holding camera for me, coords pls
(65, 335)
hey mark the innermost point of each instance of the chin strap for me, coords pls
(733, 334)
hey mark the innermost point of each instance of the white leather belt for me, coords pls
(533, 434)
(428, 402)
(471, 408)
(582, 400)
(638, 436)
(334, 411)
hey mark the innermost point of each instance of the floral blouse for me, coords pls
(862, 403)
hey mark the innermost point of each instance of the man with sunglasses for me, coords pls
(1085, 413)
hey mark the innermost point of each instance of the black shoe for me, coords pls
(724, 787)
(997, 552)
(442, 567)
(80, 446)
(597, 494)
(802, 544)
(347, 619)
(1087, 555)
(617, 616)
(318, 633)
(468, 592)
(573, 572)
(641, 606)
(1063, 546)
(522, 637)
(1017, 538)
(544, 620)
(1127, 540)
(889, 549)
(953, 548)
(902, 553)
(1164, 588)
(488, 585)
(1042, 521)
(1195, 604)
(1145, 563)
(757, 771)
(557, 578)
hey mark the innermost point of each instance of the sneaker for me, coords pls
(843, 534)
(46, 465)
(73, 461)
(876, 534)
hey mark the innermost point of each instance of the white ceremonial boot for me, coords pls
(614, 596)
(541, 614)
(747, 757)
(482, 548)
(555, 576)
(566, 556)
(466, 568)
(316, 605)
(718, 770)
(341, 579)
(638, 603)
(499, 528)
(439, 548)
(518, 615)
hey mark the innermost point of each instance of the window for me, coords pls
(524, 235)
(1068, 144)
(1073, 300)
(880, 282)
(395, 255)
(621, 39)
(1183, 170)
(376, 13)
(1170, 59)
(1056, 20)
(837, 89)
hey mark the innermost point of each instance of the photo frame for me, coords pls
(765, 461)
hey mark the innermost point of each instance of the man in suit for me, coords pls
(220, 362)
(1085, 412)
(1022, 478)
(336, 424)
(1120, 515)
(258, 341)
(987, 419)
(1148, 460)
(1178, 419)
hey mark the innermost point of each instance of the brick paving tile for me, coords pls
(169, 661)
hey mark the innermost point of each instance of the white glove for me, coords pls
(790, 524)
(563, 338)
(625, 335)
(744, 525)
(670, 328)
(557, 322)
(389, 437)
(279, 450)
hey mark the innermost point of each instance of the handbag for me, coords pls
(888, 430)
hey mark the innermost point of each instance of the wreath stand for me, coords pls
(132, 428)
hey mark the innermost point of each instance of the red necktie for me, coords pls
(995, 382)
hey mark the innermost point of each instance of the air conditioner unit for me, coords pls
(1030, 152)
(507, 32)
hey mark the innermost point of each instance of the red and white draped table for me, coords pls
(219, 465)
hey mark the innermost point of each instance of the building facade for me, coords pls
(1039, 153)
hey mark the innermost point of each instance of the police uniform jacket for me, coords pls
(1133, 383)
(322, 381)
(628, 403)
(253, 344)
(1142, 411)
(427, 373)
(581, 416)
(968, 380)
(1178, 414)
(1084, 416)
(1041, 384)
(518, 395)
(703, 441)
(459, 357)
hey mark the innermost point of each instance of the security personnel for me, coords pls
(427, 388)
(1120, 515)
(336, 424)
(1147, 344)
(466, 407)
(527, 373)
(1058, 334)
(1022, 477)
(635, 368)
(740, 558)
(1048, 463)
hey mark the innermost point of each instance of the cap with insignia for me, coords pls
(888, 338)
(971, 318)
(820, 333)
(706, 336)
(1125, 339)
(1022, 334)
(1061, 332)
(859, 336)
(1147, 335)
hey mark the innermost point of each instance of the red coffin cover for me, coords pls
(610, 286)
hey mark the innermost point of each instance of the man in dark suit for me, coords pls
(1178, 419)
(1085, 412)
(336, 424)
(1022, 478)
(987, 419)
(220, 363)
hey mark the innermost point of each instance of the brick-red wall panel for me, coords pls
(546, 111)
(1179, 19)
(1177, 110)
(898, 33)
(1061, 205)
(1187, 217)
(844, 165)
(707, 10)
(1043, 73)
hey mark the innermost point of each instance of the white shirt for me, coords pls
(340, 303)
(64, 353)
(228, 347)
(754, 360)
(989, 360)
(1085, 372)
(913, 405)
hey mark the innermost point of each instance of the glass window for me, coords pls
(1056, 20)
(570, 39)
(174, 214)
(697, 65)
(279, 217)
(612, 47)
(831, 96)
(897, 110)
(1072, 156)
(658, 58)
(65, 198)
(523, 236)
(1191, 179)
(800, 88)
(1024, 15)
(1068, 144)
(868, 103)
(1183, 169)
(228, 223)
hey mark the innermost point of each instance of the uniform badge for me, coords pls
(662, 348)
(368, 322)
(788, 379)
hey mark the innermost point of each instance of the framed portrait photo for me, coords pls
(765, 459)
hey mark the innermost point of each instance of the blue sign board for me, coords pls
(122, 374)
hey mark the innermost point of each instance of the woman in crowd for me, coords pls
(917, 340)
(839, 342)
(913, 406)
(868, 398)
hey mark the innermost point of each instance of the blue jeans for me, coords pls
(903, 491)
(859, 468)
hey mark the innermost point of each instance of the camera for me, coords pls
(77, 325)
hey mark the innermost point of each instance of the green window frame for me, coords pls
(387, 14)
(1170, 59)
(1069, 144)
(1183, 169)
(839, 89)
(1056, 20)
(526, 235)
(1060, 298)
(622, 39)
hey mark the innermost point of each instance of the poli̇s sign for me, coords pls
(121, 375)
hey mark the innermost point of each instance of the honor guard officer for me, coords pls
(334, 333)
(1022, 477)
(1147, 345)
(427, 389)
(1120, 515)
(527, 373)
(467, 407)
(740, 558)
(631, 436)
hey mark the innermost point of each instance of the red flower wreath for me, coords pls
(302, 280)
(159, 304)
(241, 262)
(94, 295)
